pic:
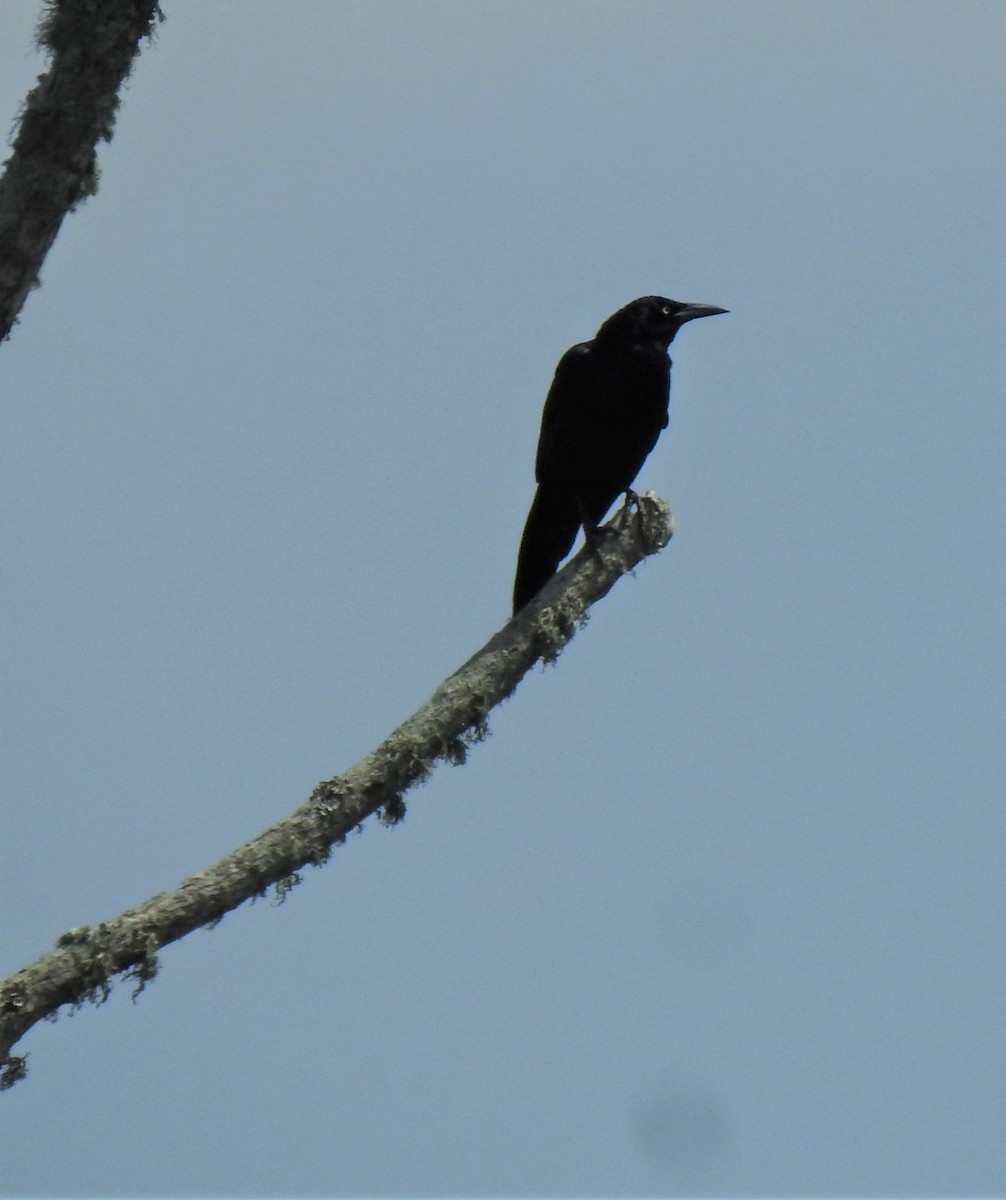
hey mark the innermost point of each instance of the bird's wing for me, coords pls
(561, 414)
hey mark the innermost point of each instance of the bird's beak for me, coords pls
(691, 311)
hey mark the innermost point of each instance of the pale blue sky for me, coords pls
(718, 909)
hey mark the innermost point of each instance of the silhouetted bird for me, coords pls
(603, 414)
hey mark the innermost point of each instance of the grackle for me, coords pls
(603, 414)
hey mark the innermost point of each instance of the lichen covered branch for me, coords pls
(85, 960)
(92, 45)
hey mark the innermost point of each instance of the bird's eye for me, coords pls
(666, 310)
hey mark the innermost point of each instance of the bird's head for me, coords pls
(653, 319)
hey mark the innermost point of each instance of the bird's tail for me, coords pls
(549, 533)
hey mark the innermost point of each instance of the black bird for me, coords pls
(603, 414)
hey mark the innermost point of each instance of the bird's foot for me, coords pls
(593, 535)
(592, 532)
(624, 514)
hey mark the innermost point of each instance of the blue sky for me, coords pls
(718, 908)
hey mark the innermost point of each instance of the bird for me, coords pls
(603, 414)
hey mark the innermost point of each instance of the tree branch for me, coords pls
(93, 44)
(85, 960)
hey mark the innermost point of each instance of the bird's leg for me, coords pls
(591, 529)
(624, 513)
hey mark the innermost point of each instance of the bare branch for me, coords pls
(85, 960)
(92, 44)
